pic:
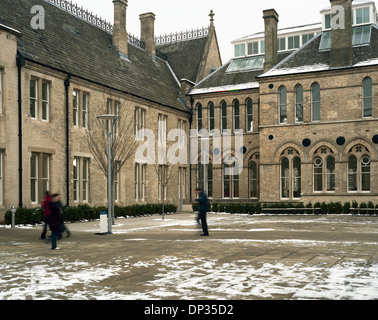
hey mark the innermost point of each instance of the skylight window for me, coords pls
(361, 36)
(246, 64)
(325, 43)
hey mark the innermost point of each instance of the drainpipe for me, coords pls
(190, 145)
(20, 61)
(67, 84)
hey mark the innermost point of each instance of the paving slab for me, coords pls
(259, 257)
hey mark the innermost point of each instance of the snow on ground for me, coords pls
(182, 277)
(188, 279)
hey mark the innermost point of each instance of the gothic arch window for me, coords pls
(367, 86)
(230, 177)
(224, 116)
(236, 114)
(283, 105)
(211, 116)
(209, 177)
(359, 169)
(290, 174)
(254, 176)
(199, 116)
(285, 178)
(324, 178)
(249, 115)
(315, 102)
(299, 103)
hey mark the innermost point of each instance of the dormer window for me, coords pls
(361, 15)
(294, 42)
(239, 50)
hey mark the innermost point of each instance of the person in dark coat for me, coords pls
(63, 225)
(203, 205)
(46, 212)
(55, 221)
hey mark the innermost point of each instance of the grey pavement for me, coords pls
(259, 257)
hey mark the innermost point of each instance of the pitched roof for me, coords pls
(222, 80)
(185, 57)
(74, 46)
(309, 58)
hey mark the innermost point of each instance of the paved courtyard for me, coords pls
(245, 257)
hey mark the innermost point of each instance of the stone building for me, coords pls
(60, 68)
(306, 99)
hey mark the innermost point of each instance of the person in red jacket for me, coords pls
(46, 212)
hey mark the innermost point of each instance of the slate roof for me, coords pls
(74, 46)
(190, 51)
(221, 80)
(309, 58)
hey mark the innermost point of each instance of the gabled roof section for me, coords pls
(192, 55)
(74, 46)
(185, 57)
(222, 80)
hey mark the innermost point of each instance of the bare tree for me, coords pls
(123, 144)
(165, 174)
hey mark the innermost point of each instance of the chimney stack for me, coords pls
(119, 28)
(271, 38)
(341, 48)
(147, 32)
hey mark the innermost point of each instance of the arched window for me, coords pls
(253, 176)
(296, 173)
(224, 116)
(315, 102)
(236, 112)
(211, 116)
(291, 186)
(352, 173)
(367, 98)
(324, 170)
(283, 105)
(208, 178)
(285, 178)
(330, 174)
(318, 174)
(231, 180)
(249, 115)
(365, 173)
(199, 116)
(359, 169)
(299, 103)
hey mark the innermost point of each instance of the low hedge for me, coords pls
(325, 208)
(85, 212)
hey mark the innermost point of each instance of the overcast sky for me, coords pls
(233, 19)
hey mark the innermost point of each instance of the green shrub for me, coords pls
(85, 212)
(346, 207)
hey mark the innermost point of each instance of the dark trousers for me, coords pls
(202, 217)
(43, 235)
(56, 233)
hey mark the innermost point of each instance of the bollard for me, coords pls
(13, 210)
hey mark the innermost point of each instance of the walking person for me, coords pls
(203, 205)
(62, 213)
(55, 221)
(46, 212)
